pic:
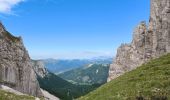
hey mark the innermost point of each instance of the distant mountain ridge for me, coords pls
(63, 65)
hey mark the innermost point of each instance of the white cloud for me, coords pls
(7, 5)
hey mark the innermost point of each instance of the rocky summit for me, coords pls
(148, 42)
(16, 68)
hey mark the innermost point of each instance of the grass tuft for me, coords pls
(10, 96)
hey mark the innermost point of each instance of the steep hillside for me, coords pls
(63, 89)
(10, 96)
(58, 86)
(7, 93)
(150, 80)
(91, 74)
(41, 72)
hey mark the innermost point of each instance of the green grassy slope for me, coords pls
(63, 89)
(10, 96)
(151, 80)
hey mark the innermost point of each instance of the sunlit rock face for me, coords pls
(159, 26)
(39, 68)
(16, 68)
(148, 41)
(130, 55)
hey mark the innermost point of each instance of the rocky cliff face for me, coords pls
(41, 71)
(148, 41)
(16, 68)
(39, 68)
(159, 27)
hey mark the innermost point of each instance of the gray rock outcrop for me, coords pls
(16, 68)
(41, 71)
(39, 68)
(148, 41)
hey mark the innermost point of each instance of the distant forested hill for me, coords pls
(91, 74)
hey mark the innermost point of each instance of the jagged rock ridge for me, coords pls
(16, 68)
(148, 41)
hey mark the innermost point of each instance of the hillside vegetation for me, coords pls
(92, 74)
(150, 81)
(10, 96)
(63, 89)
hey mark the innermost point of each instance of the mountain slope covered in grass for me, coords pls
(63, 89)
(10, 96)
(92, 74)
(150, 81)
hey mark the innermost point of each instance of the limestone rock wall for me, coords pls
(129, 55)
(39, 68)
(148, 41)
(16, 68)
(159, 26)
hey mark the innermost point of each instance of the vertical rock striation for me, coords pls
(16, 68)
(159, 27)
(148, 41)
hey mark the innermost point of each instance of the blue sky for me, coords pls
(73, 28)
